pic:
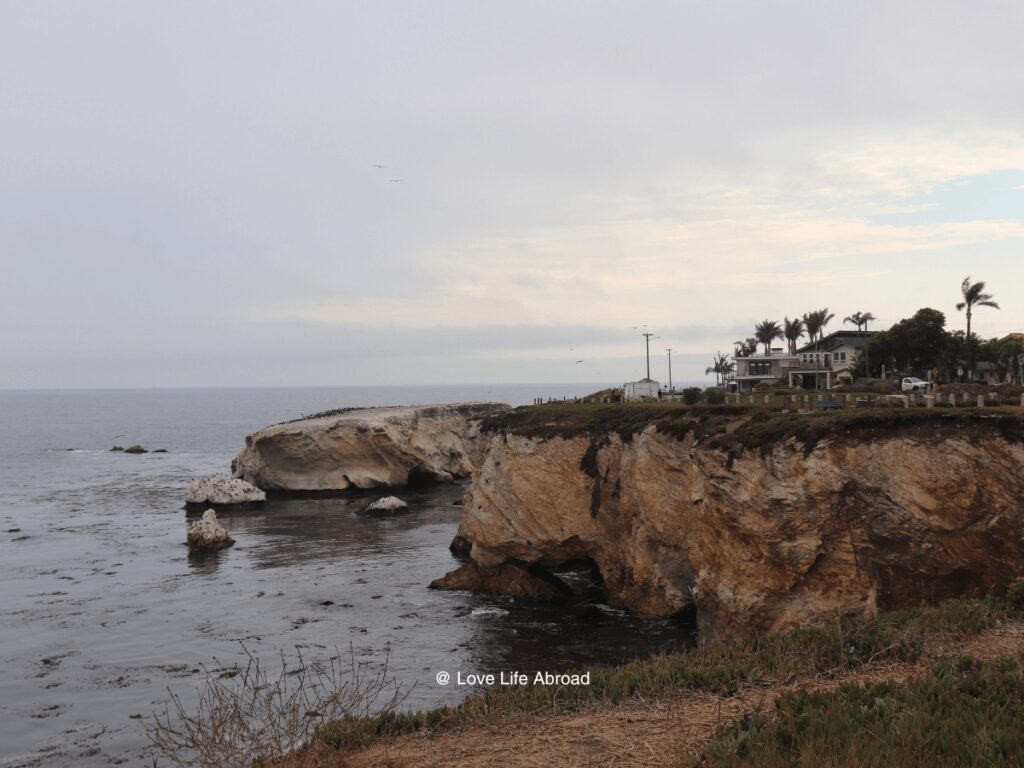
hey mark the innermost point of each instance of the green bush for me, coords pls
(714, 396)
(691, 395)
(1015, 593)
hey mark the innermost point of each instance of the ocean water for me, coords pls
(103, 610)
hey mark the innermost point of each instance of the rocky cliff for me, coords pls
(758, 521)
(377, 447)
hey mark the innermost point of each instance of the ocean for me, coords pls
(105, 611)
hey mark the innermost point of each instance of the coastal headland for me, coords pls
(755, 518)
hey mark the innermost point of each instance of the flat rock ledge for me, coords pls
(222, 491)
(207, 534)
(388, 505)
(513, 579)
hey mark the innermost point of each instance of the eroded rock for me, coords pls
(509, 578)
(207, 534)
(762, 539)
(222, 491)
(377, 447)
(388, 505)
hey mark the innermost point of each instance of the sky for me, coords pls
(189, 193)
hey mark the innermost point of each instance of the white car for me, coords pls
(914, 384)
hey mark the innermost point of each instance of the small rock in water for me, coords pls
(160, 450)
(136, 449)
(387, 504)
(222, 491)
(117, 448)
(207, 534)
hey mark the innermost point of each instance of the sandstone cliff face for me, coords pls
(762, 540)
(366, 449)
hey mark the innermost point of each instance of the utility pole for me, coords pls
(647, 341)
(669, 370)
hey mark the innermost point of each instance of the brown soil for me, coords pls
(673, 729)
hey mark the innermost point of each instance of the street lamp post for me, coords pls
(669, 370)
(647, 341)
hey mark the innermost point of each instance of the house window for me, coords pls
(760, 369)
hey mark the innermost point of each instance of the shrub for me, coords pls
(691, 395)
(1015, 593)
(714, 396)
(246, 717)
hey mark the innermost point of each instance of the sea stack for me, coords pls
(207, 534)
(222, 491)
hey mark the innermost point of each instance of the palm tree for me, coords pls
(866, 317)
(745, 348)
(766, 332)
(721, 367)
(812, 322)
(857, 318)
(825, 317)
(974, 296)
(793, 330)
(726, 366)
(715, 370)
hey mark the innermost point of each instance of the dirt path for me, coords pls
(670, 730)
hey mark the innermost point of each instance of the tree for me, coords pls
(745, 348)
(913, 345)
(792, 330)
(812, 322)
(824, 318)
(766, 332)
(974, 296)
(862, 319)
(721, 366)
(857, 318)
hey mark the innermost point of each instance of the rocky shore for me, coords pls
(758, 521)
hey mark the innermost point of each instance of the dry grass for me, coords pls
(246, 717)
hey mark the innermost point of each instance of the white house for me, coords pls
(821, 365)
(772, 368)
(640, 390)
(829, 361)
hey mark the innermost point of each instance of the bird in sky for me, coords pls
(395, 181)
(578, 362)
(378, 165)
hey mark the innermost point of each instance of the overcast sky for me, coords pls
(188, 194)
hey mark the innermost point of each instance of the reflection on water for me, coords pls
(105, 608)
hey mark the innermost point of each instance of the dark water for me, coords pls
(102, 608)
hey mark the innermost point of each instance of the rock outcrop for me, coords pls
(801, 529)
(510, 578)
(378, 447)
(207, 534)
(222, 491)
(389, 505)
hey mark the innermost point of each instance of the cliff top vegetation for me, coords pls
(733, 428)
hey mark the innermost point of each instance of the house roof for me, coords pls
(835, 339)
